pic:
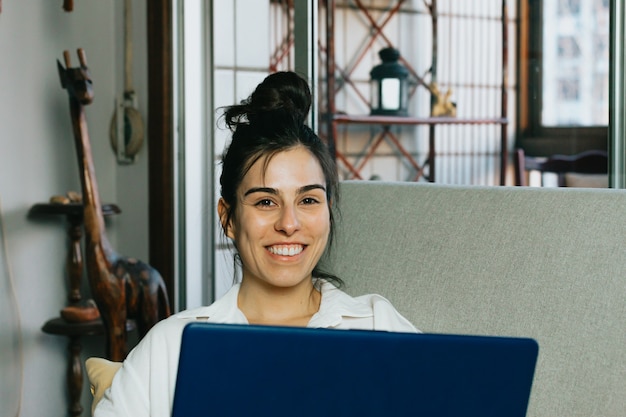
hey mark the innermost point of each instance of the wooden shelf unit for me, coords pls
(73, 213)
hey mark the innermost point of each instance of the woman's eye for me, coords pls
(265, 203)
(310, 200)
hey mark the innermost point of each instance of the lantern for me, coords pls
(390, 93)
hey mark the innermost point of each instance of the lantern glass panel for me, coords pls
(390, 94)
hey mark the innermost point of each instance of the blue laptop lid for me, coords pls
(238, 370)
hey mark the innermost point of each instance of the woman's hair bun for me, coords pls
(281, 102)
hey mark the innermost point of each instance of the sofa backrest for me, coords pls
(515, 261)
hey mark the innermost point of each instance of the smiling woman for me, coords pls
(280, 230)
(255, 169)
(278, 183)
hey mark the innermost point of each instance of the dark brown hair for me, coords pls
(270, 121)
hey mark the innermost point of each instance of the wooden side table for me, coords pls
(75, 373)
(73, 213)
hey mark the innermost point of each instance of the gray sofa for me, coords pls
(517, 261)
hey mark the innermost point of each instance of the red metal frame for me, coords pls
(285, 45)
(334, 119)
(330, 119)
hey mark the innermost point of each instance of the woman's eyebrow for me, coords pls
(310, 187)
(267, 190)
(274, 191)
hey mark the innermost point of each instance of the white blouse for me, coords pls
(144, 386)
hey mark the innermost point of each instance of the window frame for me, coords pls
(533, 136)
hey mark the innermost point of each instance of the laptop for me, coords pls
(246, 370)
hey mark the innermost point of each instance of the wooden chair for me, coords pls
(588, 162)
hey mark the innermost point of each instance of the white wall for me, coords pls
(38, 160)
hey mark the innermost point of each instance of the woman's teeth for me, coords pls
(286, 250)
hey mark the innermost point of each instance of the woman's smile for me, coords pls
(286, 250)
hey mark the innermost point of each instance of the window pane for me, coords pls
(575, 63)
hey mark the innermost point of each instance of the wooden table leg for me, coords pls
(74, 261)
(74, 377)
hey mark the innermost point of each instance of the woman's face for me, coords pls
(282, 219)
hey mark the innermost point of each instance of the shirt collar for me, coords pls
(336, 305)
(223, 310)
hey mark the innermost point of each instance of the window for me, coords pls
(564, 76)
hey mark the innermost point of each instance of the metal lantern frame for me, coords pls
(390, 85)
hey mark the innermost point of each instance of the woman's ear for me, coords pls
(227, 223)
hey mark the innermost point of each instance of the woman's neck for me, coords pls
(262, 303)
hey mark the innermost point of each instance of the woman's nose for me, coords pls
(288, 221)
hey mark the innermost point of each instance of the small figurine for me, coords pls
(442, 105)
(81, 314)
